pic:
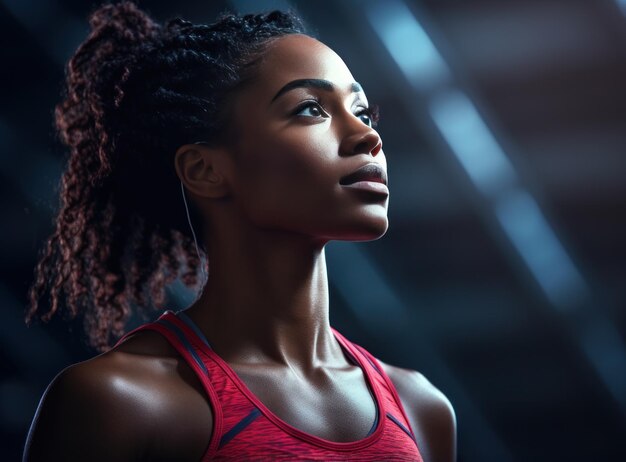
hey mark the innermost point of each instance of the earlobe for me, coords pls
(201, 169)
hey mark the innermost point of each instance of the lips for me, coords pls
(368, 172)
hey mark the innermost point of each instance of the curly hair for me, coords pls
(135, 91)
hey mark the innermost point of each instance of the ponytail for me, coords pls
(135, 91)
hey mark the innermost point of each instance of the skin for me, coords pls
(271, 201)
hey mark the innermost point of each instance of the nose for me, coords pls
(364, 141)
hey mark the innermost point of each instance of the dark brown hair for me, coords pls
(135, 91)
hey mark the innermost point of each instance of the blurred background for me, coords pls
(502, 277)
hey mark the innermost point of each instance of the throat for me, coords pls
(302, 345)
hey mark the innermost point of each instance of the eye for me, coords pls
(369, 115)
(311, 109)
(365, 117)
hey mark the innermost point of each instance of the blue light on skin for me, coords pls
(408, 43)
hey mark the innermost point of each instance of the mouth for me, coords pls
(368, 173)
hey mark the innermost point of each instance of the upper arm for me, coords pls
(83, 416)
(429, 411)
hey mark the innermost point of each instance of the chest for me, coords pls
(336, 406)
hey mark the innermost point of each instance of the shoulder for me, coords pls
(116, 406)
(430, 413)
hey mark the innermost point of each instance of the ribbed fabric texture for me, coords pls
(244, 429)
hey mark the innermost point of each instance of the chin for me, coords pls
(370, 230)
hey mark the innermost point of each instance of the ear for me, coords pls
(203, 170)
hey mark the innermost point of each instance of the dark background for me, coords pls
(502, 276)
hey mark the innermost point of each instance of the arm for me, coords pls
(85, 415)
(429, 411)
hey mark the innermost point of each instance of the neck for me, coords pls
(266, 301)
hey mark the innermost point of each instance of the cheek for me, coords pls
(289, 162)
(290, 174)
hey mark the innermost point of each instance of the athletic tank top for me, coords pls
(244, 429)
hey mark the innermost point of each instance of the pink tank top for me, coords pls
(244, 429)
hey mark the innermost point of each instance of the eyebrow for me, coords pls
(314, 83)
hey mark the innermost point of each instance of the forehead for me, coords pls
(296, 56)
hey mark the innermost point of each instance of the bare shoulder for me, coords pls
(131, 403)
(429, 411)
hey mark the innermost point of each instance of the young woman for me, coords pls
(270, 140)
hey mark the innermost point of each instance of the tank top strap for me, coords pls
(188, 345)
(171, 328)
(242, 426)
(393, 404)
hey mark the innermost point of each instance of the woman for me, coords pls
(272, 142)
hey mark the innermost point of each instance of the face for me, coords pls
(302, 127)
